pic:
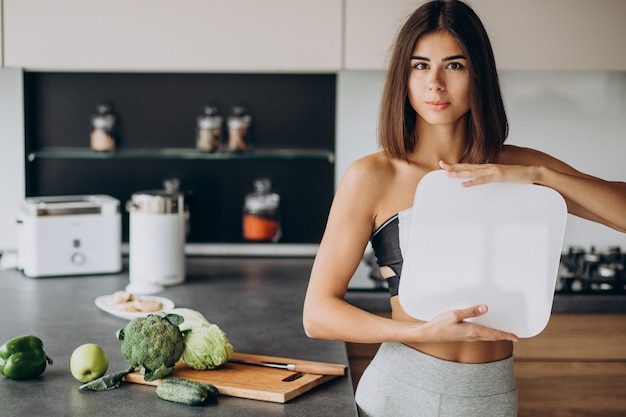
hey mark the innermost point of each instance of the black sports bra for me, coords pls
(386, 245)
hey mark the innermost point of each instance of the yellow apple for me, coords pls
(88, 362)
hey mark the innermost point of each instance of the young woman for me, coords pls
(441, 109)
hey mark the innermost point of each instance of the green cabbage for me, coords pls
(206, 345)
(192, 318)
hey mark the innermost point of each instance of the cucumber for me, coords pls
(184, 391)
(212, 390)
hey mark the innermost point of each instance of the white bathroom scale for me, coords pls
(497, 244)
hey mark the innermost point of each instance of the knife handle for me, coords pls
(320, 368)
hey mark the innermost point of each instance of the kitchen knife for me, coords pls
(307, 368)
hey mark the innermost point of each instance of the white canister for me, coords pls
(156, 241)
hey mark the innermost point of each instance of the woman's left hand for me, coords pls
(484, 173)
(586, 196)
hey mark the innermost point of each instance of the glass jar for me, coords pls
(209, 129)
(102, 122)
(261, 216)
(238, 126)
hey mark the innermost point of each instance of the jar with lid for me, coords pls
(261, 214)
(102, 123)
(209, 129)
(238, 129)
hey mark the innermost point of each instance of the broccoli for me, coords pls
(154, 343)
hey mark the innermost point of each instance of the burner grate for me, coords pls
(591, 272)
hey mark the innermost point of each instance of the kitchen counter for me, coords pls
(373, 295)
(257, 302)
(378, 300)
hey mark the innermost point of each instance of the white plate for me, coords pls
(498, 244)
(104, 302)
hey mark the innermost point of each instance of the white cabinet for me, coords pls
(556, 34)
(12, 169)
(1, 40)
(162, 35)
(526, 35)
(292, 35)
(370, 29)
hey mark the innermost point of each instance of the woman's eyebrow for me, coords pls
(453, 57)
(446, 59)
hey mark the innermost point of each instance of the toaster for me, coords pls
(69, 235)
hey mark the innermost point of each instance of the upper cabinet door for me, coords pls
(525, 35)
(370, 30)
(162, 35)
(1, 40)
(556, 34)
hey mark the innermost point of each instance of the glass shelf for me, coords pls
(181, 153)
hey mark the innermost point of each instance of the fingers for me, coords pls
(459, 315)
(478, 174)
(470, 331)
(469, 171)
(489, 334)
(475, 311)
(474, 174)
(458, 168)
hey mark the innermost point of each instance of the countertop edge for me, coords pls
(378, 300)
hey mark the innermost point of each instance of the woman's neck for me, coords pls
(439, 142)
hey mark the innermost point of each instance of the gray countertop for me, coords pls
(378, 300)
(257, 302)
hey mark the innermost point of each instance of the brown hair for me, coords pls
(487, 122)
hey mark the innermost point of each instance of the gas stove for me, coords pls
(590, 272)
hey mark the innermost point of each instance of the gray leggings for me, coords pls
(401, 381)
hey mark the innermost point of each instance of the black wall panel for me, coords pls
(158, 111)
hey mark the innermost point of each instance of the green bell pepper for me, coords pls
(23, 357)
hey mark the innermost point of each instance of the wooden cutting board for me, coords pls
(249, 381)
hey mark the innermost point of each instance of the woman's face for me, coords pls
(439, 81)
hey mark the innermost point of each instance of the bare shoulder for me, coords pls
(364, 187)
(369, 172)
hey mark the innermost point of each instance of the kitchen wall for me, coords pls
(293, 114)
(579, 117)
(11, 154)
(576, 116)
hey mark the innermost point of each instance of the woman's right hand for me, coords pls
(452, 327)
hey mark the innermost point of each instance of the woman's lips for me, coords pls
(438, 105)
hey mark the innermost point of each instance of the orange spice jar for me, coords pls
(261, 220)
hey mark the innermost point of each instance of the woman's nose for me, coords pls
(435, 83)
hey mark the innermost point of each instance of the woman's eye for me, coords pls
(455, 66)
(420, 65)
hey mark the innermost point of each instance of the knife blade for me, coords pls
(307, 368)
